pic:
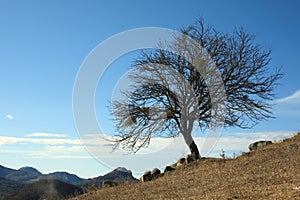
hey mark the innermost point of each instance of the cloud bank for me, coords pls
(159, 154)
(8, 140)
(47, 135)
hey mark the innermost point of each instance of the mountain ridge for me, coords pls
(13, 182)
(119, 175)
(30, 174)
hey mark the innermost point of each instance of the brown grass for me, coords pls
(269, 173)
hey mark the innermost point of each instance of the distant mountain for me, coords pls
(30, 174)
(118, 175)
(29, 183)
(4, 171)
(24, 175)
(30, 170)
(7, 186)
(50, 189)
(65, 177)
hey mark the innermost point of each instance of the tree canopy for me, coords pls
(226, 75)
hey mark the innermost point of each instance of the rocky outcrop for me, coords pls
(180, 162)
(156, 173)
(189, 158)
(169, 168)
(146, 177)
(258, 145)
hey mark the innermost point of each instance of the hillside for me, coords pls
(268, 173)
(29, 183)
(7, 186)
(45, 189)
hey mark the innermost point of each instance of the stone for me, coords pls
(155, 173)
(169, 169)
(146, 177)
(258, 145)
(180, 162)
(189, 158)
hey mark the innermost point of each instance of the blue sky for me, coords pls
(43, 44)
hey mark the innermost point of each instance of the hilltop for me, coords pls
(119, 175)
(268, 173)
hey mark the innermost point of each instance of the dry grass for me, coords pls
(269, 173)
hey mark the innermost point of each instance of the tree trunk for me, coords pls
(194, 151)
(186, 128)
(192, 146)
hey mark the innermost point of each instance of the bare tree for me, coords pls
(171, 89)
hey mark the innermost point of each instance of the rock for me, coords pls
(174, 165)
(189, 158)
(180, 162)
(155, 173)
(259, 144)
(146, 177)
(169, 169)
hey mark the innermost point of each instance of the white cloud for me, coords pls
(161, 151)
(170, 146)
(48, 152)
(71, 157)
(266, 135)
(48, 135)
(294, 98)
(10, 117)
(239, 141)
(59, 149)
(209, 145)
(5, 140)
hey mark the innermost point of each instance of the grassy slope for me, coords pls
(268, 173)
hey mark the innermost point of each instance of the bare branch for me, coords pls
(167, 101)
